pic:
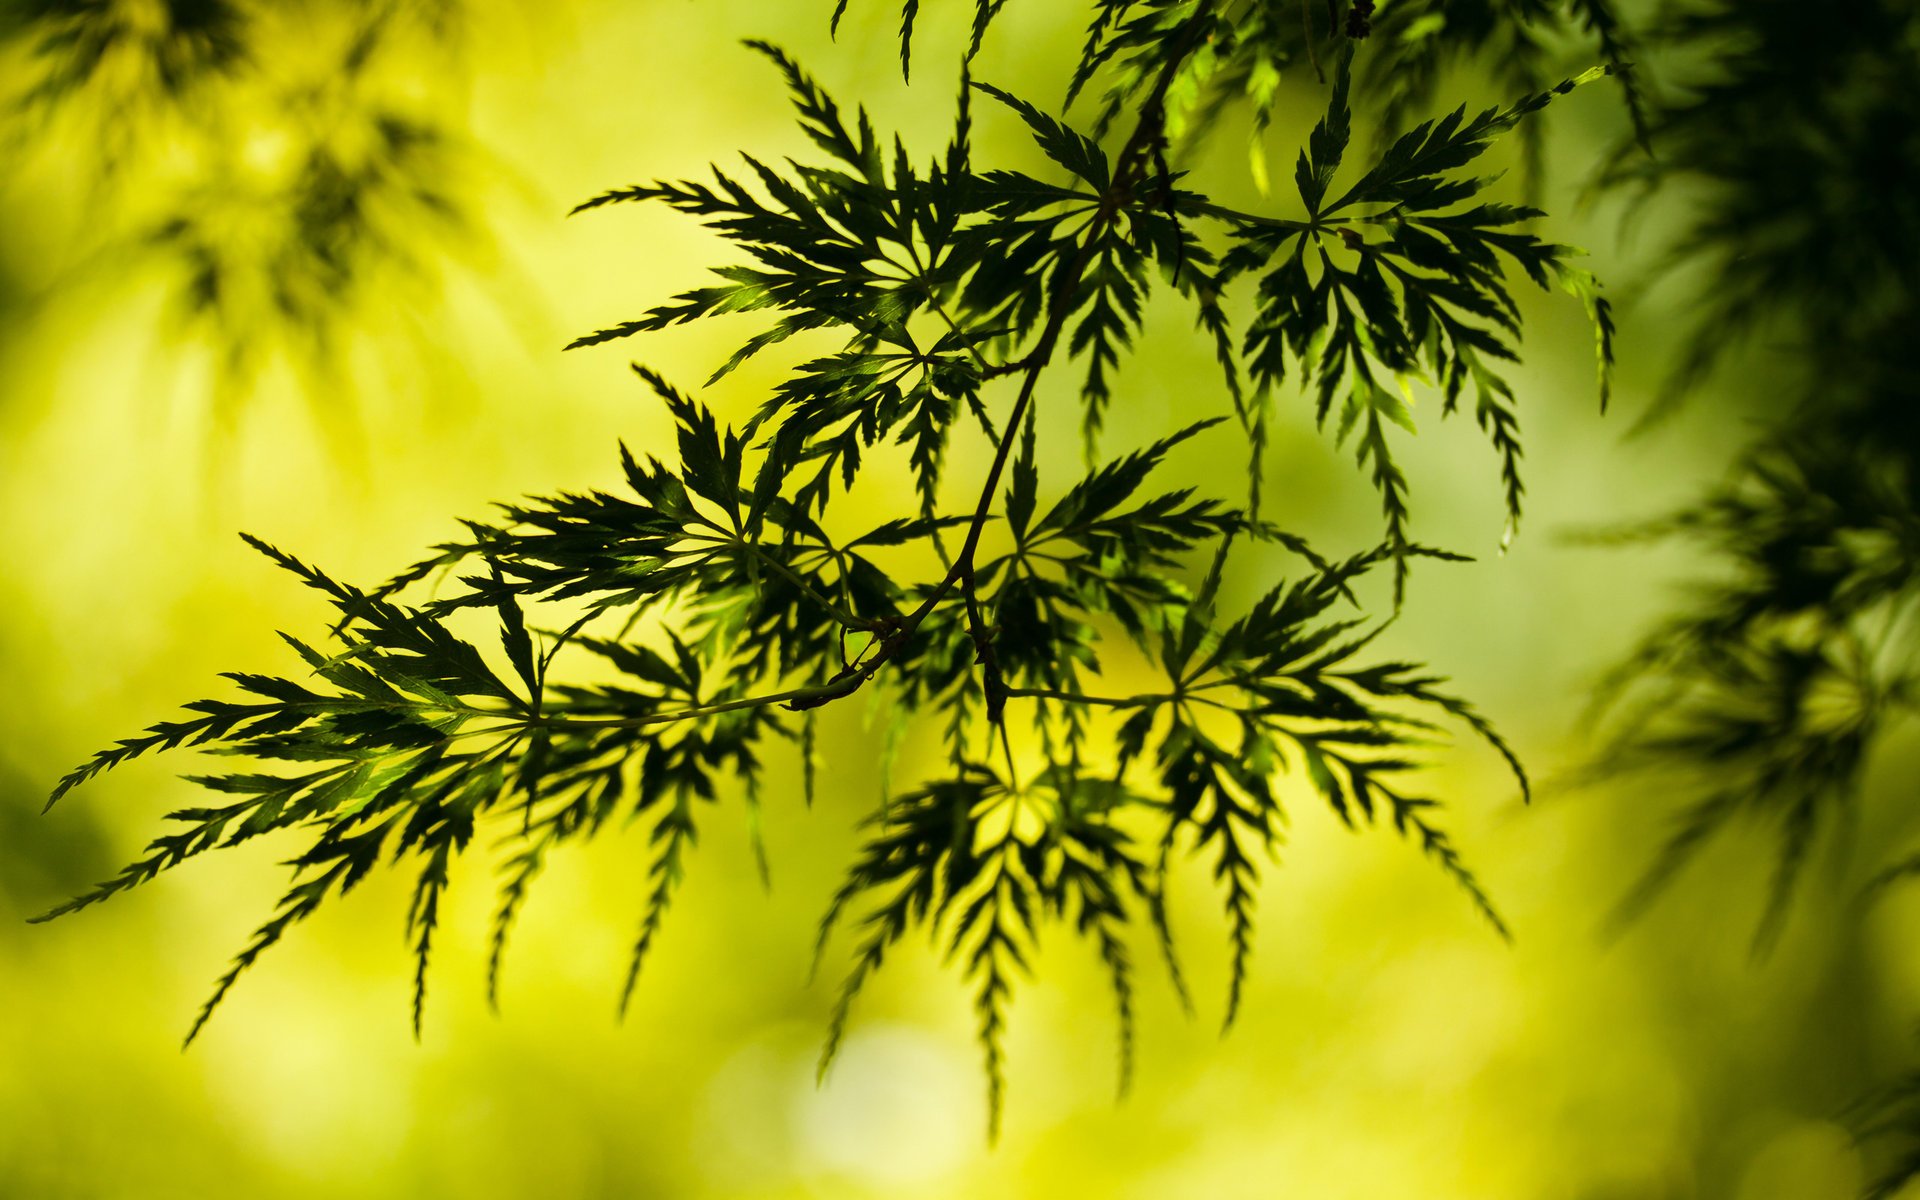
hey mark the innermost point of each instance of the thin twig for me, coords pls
(833, 610)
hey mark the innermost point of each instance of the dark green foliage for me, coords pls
(1771, 687)
(1420, 40)
(1892, 1118)
(1252, 47)
(1790, 663)
(1769, 691)
(984, 11)
(1275, 691)
(1801, 132)
(529, 704)
(1423, 297)
(76, 40)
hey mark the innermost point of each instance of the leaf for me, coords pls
(1026, 480)
(1328, 143)
(1111, 485)
(1076, 152)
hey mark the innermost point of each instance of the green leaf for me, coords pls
(1327, 145)
(1076, 152)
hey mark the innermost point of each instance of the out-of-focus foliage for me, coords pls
(1772, 688)
(1796, 121)
(128, 59)
(1893, 1115)
(1772, 685)
(944, 282)
(1798, 124)
(282, 162)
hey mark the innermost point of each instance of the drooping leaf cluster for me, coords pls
(1252, 47)
(1514, 40)
(1795, 123)
(1892, 1117)
(1398, 277)
(640, 652)
(1796, 654)
(1769, 689)
(1777, 681)
(282, 163)
(83, 45)
(1422, 296)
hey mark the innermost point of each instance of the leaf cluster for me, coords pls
(1769, 690)
(360, 199)
(1390, 280)
(1771, 687)
(1796, 134)
(1772, 684)
(638, 651)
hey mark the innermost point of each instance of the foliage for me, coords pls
(1893, 1114)
(1411, 45)
(640, 653)
(276, 161)
(1806, 619)
(1768, 692)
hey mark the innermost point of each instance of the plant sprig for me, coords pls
(646, 648)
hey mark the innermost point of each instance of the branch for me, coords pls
(1079, 698)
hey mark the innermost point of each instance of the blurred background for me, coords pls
(301, 270)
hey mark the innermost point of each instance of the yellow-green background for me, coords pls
(1390, 1044)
